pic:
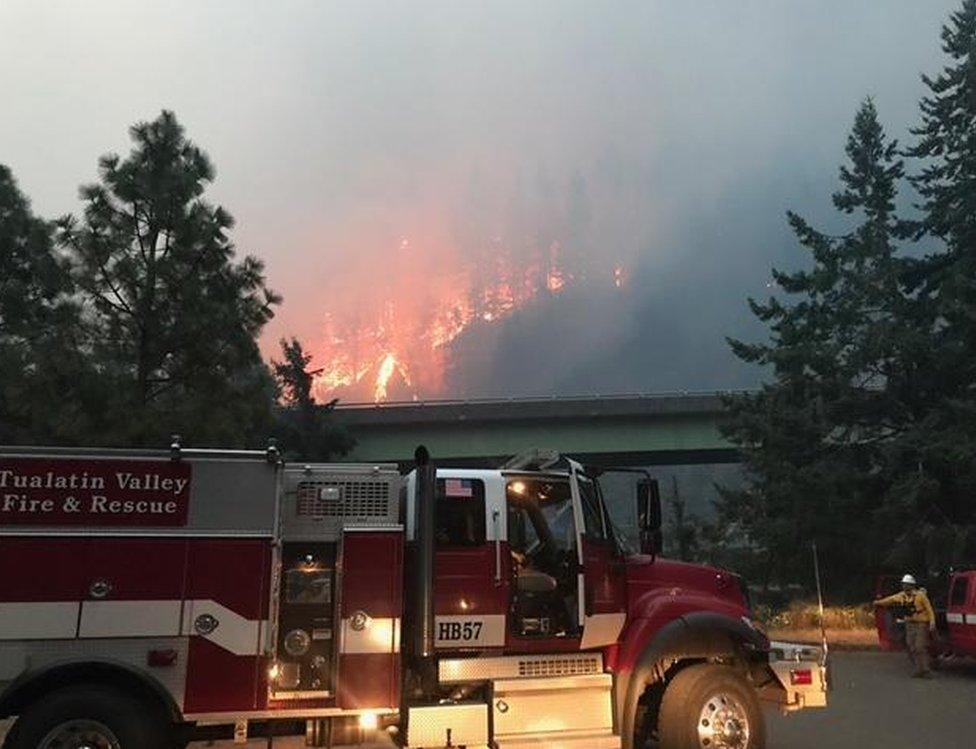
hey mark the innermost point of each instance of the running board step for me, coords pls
(567, 712)
(560, 740)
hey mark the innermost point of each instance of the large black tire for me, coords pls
(107, 718)
(711, 706)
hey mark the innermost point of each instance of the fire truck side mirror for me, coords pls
(649, 516)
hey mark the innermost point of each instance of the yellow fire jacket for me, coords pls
(910, 605)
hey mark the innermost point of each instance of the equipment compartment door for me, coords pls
(43, 583)
(371, 608)
(224, 615)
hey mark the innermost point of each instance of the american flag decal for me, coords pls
(458, 488)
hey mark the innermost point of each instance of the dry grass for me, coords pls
(859, 639)
(802, 615)
(847, 626)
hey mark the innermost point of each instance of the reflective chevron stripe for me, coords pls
(62, 620)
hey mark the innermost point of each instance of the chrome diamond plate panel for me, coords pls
(452, 670)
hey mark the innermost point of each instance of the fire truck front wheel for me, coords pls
(708, 705)
(90, 716)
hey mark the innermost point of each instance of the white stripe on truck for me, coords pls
(130, 619)
(65, 620)
(40, 620)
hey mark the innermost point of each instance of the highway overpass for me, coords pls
(646, 430)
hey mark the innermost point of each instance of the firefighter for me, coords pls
(911, 605)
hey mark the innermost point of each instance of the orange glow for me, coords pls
(388, 336)
(555, 279)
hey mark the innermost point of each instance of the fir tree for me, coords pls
(940, 446)
(947, 143)
(305, 427)
(814, 438)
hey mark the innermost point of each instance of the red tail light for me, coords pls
(799, 677)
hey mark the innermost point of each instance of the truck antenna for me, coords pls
(820, 605)
(175, 447)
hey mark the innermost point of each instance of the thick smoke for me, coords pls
(662, 329)
(385, 156)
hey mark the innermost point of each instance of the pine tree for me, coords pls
(42, 374)
(814, 437)
(174, 317)
(31, 276)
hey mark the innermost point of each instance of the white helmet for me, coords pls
(908, 580)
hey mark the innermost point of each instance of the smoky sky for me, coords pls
(339, 129)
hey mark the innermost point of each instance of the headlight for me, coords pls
(297, 643)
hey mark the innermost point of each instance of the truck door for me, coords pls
(602, 584)
(891, 635)
(961, 613)
(471, 570)
(546, 558)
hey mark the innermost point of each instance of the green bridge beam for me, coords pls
(631, 430)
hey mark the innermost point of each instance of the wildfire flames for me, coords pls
(398, 347)
(387, 368)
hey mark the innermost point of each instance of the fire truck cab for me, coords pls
(152, 598)
(960, 617)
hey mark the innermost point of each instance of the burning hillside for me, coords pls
(398, 348)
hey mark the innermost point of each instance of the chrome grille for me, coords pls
(458, 670)
(350, 499)
(321, 500)
(578, 666)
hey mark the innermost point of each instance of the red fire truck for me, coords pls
(148, 599)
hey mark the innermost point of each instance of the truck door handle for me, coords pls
(100, 589)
